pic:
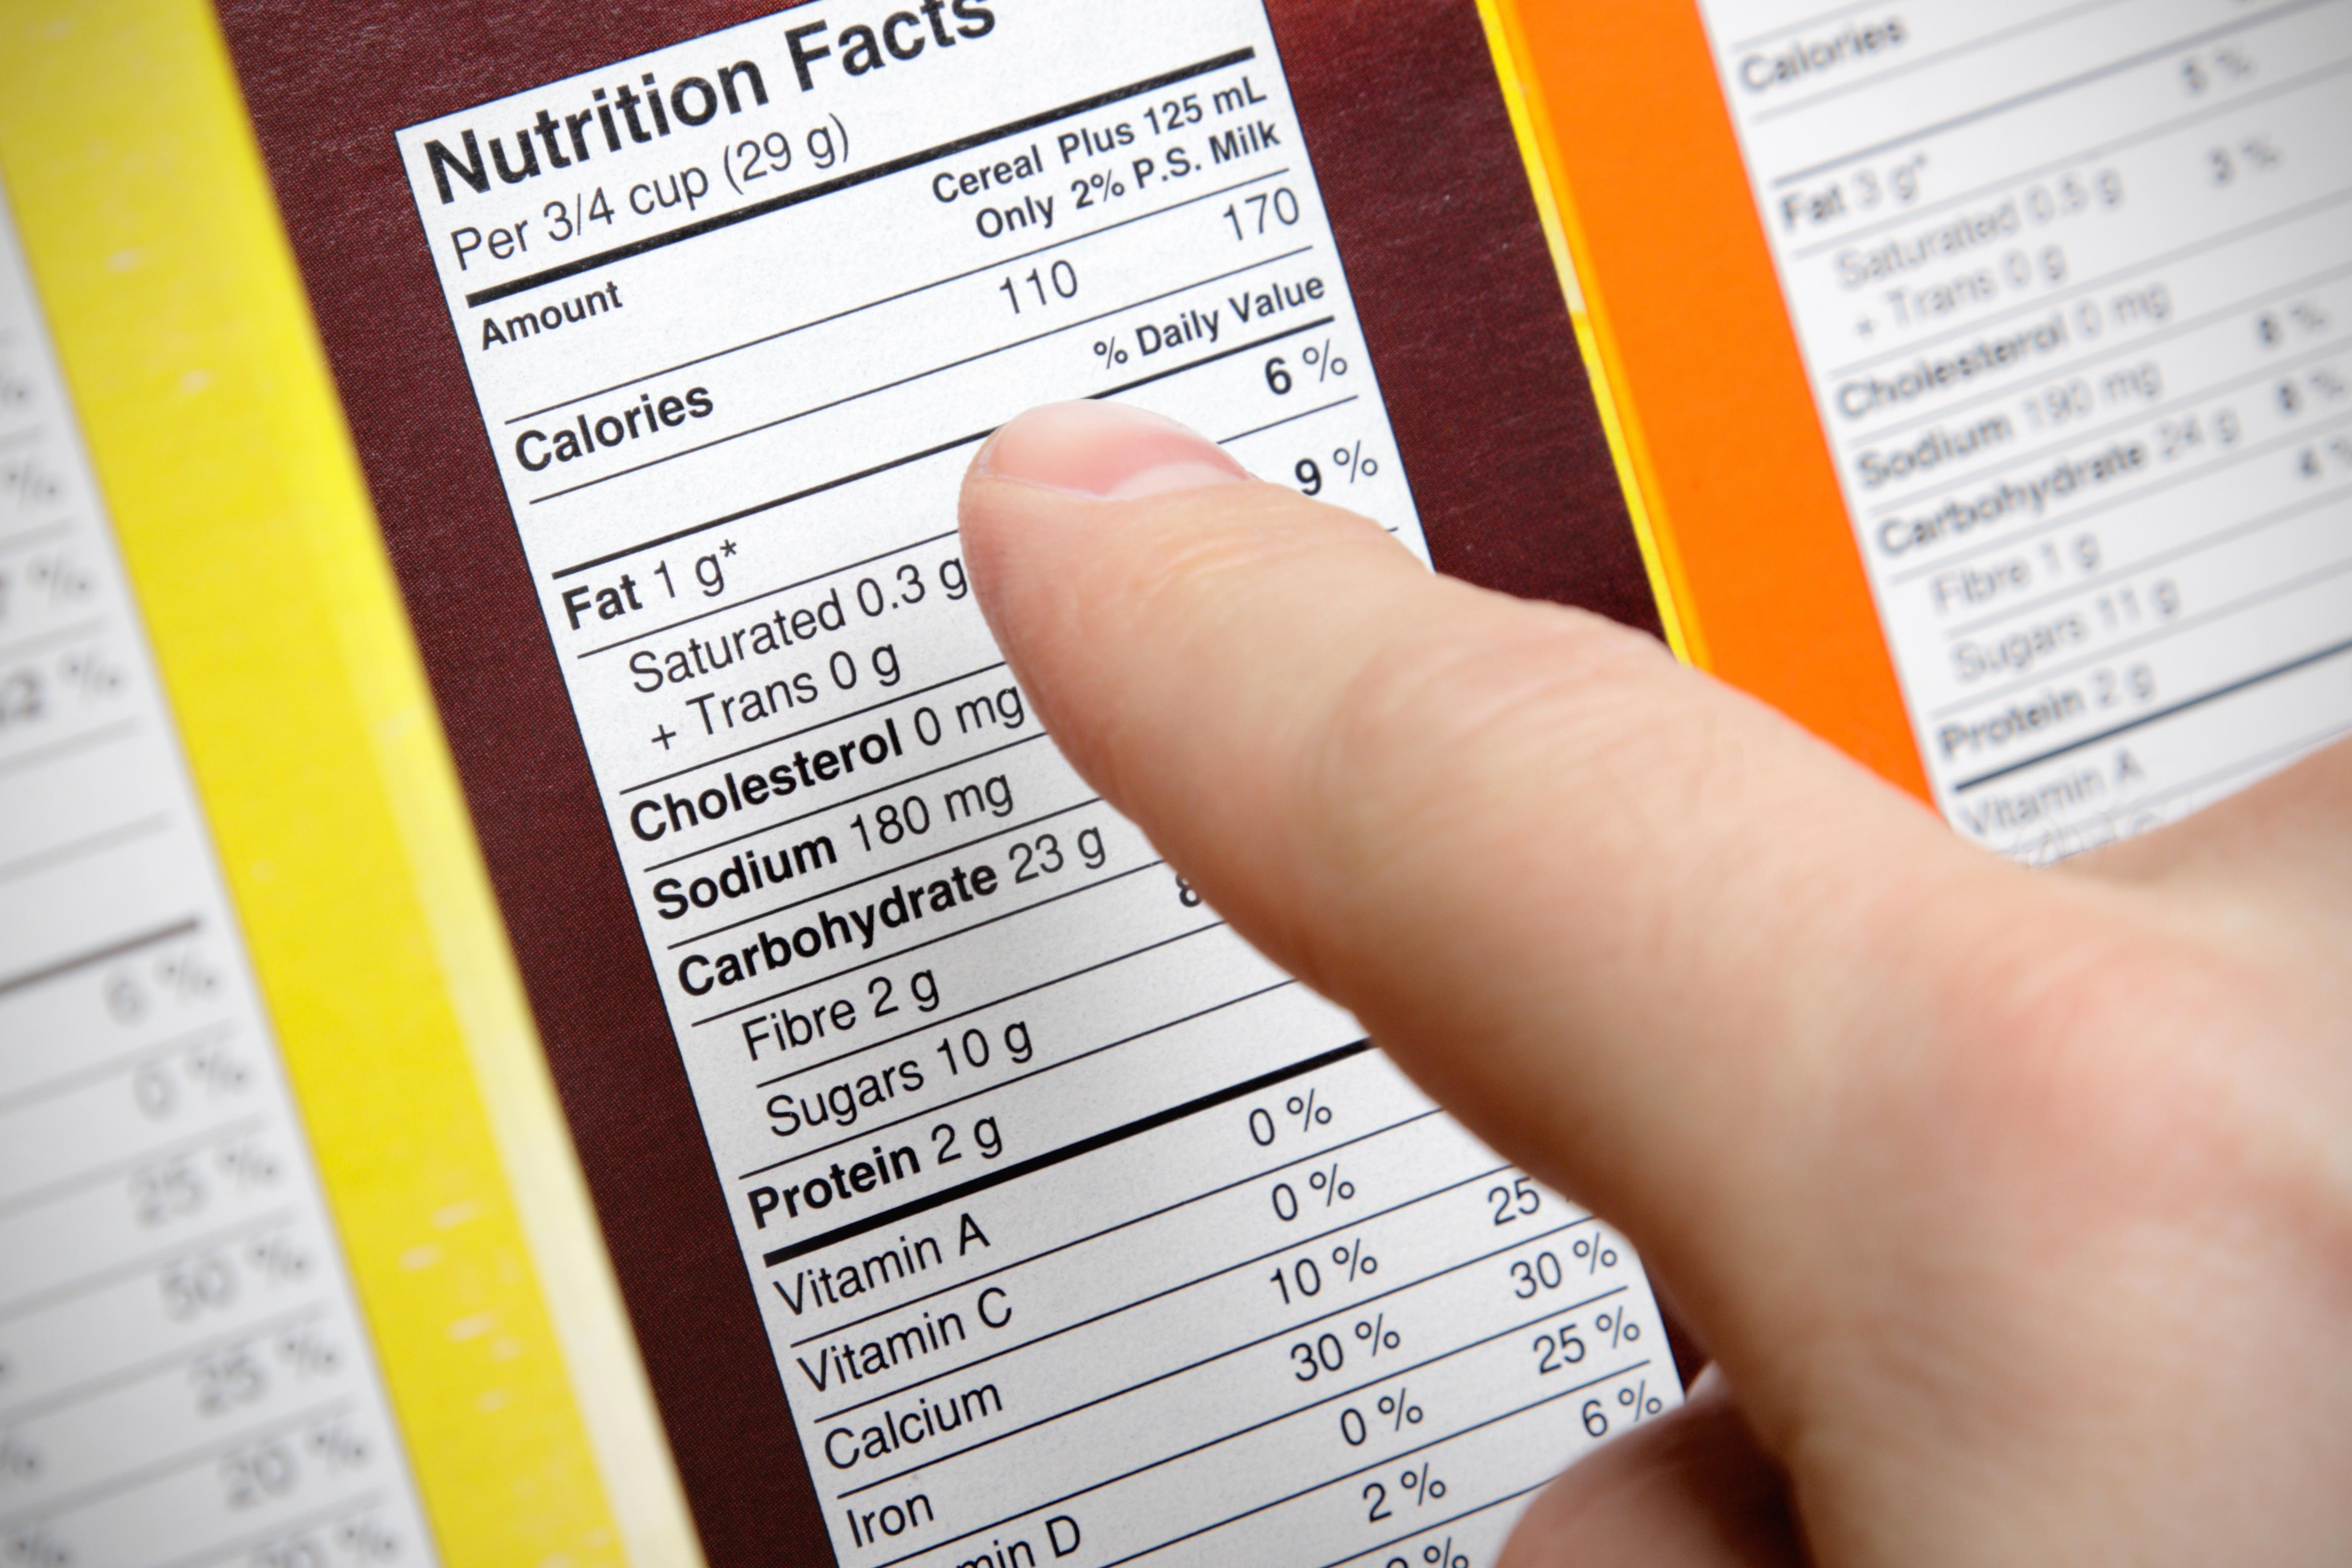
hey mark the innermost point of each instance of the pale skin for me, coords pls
(2013, 1209)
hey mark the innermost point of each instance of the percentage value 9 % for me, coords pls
(1350, 461)
(1437, 1554)
(1396, 1410)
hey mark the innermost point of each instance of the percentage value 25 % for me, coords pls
(1557, 1350)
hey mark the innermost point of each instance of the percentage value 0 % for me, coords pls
(1437, 1554)
(1331, 1185)
(1396, 1411)
(1303, 1108)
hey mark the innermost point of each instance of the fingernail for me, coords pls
(1107, 451)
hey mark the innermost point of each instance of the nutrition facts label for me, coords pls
(2074, 285)
(1082, 1235)
(184, 1375)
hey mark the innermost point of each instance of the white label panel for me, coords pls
(1083, 1235)
(2073, 287)
(185, 1377)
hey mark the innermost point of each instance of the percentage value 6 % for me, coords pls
(1639, 1401)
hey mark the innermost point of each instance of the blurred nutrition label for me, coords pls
(1082, 1235)
(2074, 285)
(184, 1379)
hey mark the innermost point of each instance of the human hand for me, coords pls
(2014, 1208)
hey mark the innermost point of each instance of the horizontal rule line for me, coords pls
(1103, 1140)
(883, 468)
(828, 187)
(2302, 662)
(128, 945)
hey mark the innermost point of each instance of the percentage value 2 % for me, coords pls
(1397, 1411)
(1109, 352)
(1102, 188)
(1424, 1487)
(1376, 1333)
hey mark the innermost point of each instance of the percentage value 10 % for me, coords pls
(1304, 1278)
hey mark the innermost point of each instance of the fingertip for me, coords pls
(1101, 450)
